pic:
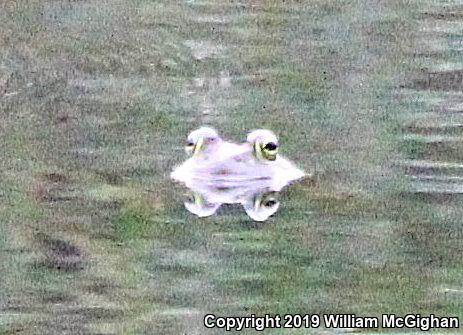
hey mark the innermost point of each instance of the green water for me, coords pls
(97, 97)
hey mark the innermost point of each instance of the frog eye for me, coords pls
(270, 146)
(270, 203)
(190, 144)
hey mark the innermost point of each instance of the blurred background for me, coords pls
(96, 100)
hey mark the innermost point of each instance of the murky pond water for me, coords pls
(97, 98)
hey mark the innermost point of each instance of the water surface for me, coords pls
(97, 98)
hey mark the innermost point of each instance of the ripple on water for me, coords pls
(201, 50)
(433, 139)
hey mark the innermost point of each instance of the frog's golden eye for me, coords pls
(270, 203)
(269, 151)
(190, 147)
(270, 146)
